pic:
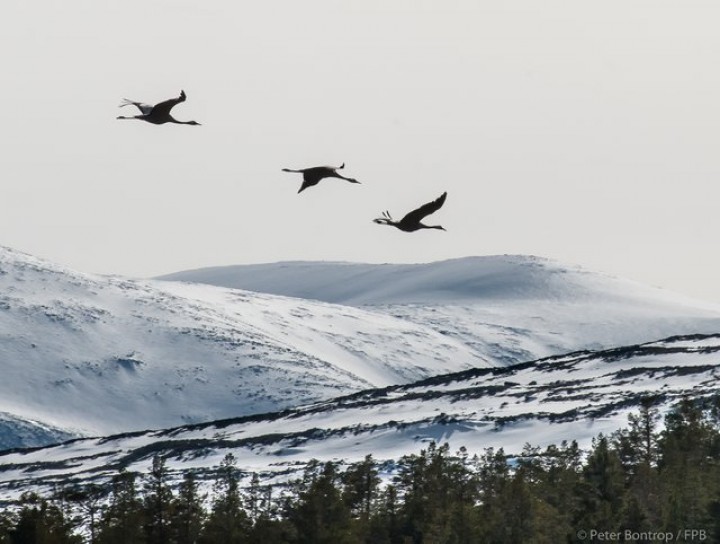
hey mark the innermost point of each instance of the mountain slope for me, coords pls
(508, 308)
(570, 397)
(83, 354)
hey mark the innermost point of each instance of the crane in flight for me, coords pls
(412, 221)
(158, 114)
(312, 176)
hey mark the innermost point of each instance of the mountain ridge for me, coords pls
(566, 397)
(462, 278)
(85, 354)
(164, 352)
(511, 308)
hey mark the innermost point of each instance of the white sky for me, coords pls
(582, 131)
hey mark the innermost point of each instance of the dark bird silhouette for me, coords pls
(312, 176)
(411, 222)
(159, 113)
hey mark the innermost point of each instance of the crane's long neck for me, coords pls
(129, 117)
(173, 120)
(336, 175)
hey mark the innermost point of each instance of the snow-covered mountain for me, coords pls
(462, 280)
(84, 354)
(569, 397)
(507, 308)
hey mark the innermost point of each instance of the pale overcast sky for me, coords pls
(583, 131)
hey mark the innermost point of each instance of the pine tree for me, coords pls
(637, 448)
(122, 521)
(254, 497)
(39, 522)
(157, 500)
(228, 522)
(555, 498)
(264, 512)
(411, 482)
(385, 522)
(492, 475)
(637, 445)
(601, 490)
(516, 504)
(187, 512)
(360, 487)
(464, 489)
(89, 500)
(7, 522)
(319, 515)
(439, 492)
(688, 469)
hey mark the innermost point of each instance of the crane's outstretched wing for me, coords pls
(163, 108)
(416, 216)
(144, 108)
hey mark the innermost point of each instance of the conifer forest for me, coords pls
(656, 479)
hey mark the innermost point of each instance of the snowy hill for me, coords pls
(463, 280)
(84, 354)
(570, 397)
(507, 308)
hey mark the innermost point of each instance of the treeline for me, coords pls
(638, 480)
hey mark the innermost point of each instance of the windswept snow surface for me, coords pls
(570, 397)
(508, 308)
(82, 354)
